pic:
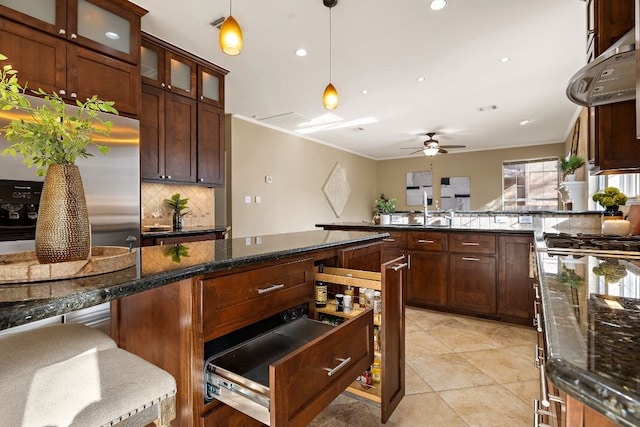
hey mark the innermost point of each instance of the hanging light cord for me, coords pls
(330, 43)
(230, 2)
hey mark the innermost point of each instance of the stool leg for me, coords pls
(166, 412)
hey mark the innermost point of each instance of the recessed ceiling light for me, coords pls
(364, 91)
(420, 79)
(438, 4)
(505, 59)
(524, 122)
(487, 108)
(301, 52)
(111, 35)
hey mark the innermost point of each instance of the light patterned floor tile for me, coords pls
(449, 371)
(502, 365)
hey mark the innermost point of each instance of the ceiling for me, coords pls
(383, 47)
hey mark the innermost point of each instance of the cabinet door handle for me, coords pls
(426, 241)
(270, 288)
(168, 176)
(62, 31)
(343, 363)
(62, 92)
(399, 266)
(537, 412)
(74, 36)
(74, 95)
(169, 87)
(162, 84)
(466, 258)
(470, 244)
(409, 261)
(201, 97)
(388, 239)
(201, 179)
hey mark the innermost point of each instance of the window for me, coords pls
(628, 183)
(529, 185)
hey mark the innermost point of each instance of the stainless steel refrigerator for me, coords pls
(111, 183)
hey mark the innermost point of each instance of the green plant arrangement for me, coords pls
(385, 205)
(51, 137)
(568, 166)
(177, 205)
(610, 197)
(50, 133)
(611, 270)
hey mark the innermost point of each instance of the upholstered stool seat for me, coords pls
(73, 375)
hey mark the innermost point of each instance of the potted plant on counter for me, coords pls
(51, 137)
(385, 207)
(569, 165)
(610, 199)
(177, 205)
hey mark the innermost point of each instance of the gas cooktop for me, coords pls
(611, 245)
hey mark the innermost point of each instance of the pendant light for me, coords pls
(330, 95)
(230, 35)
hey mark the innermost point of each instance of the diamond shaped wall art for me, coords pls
(337, 189)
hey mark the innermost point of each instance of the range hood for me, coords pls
(609, 78)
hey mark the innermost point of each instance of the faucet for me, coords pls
(450, 216)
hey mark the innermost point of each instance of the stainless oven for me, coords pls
(19, 201)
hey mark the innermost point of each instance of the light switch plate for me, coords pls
(501, 219)
(247, 199)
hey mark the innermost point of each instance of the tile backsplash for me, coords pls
(154, 211)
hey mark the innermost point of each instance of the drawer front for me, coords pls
(476, 243)
(396, 239)
(304, 382)
(233, 301)
(427, 240)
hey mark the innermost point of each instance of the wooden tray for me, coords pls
(22, 267)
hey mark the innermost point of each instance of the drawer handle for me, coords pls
(343, 363)
(270, 288)
(426, 241)
(536, 317)
(400, 266)
(388, 240)
(466, 258)
(470, 244)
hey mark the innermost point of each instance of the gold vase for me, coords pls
(62, 229)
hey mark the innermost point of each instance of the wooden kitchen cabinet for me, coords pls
(184, 141)
(612, 128)
(472, 272)
(171, 326)
(515, 290)
(365, 257)
(167, 136)
(58, 51)
(428, 268)
(391, 322)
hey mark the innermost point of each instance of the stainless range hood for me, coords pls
(609, 78)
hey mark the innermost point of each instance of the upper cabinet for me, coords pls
(613, 147)
(77, 48)
(182, 121)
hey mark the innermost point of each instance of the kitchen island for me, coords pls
(181, 301)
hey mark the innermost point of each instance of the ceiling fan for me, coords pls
(432, 146)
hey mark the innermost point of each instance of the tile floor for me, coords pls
(460, 372)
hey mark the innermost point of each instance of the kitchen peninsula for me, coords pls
(180, 298)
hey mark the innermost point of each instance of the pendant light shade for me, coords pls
(230, 35)
(330, 97)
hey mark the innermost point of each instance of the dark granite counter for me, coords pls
(186, 231)
(158, 266)
(368, 226)
(591, 307)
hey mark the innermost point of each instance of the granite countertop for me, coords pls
(591, 310)
(159, 265)
(186, 231)
(405, 227)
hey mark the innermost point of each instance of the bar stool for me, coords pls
(73, 375)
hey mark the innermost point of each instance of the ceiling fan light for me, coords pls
(230, 37)
(330, 97)
(431, 151)
(438, 4)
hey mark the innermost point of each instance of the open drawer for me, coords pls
(287, 375)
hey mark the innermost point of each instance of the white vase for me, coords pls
(385, 219)
(571, 177)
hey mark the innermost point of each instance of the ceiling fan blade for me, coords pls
(411, 148)
(453, 146)
(442, 150)
(418, 151)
